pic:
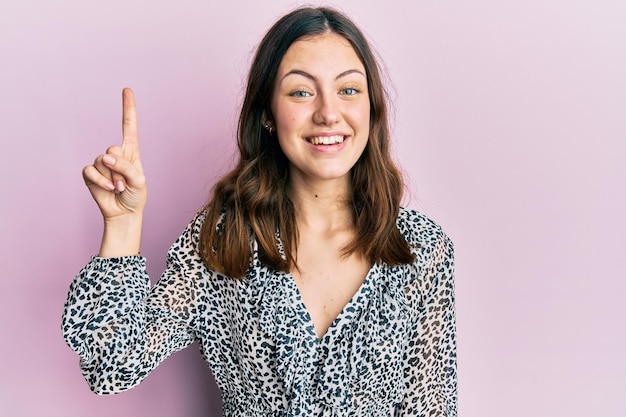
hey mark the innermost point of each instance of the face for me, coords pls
(321, 108)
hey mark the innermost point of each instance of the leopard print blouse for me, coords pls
(391, 351)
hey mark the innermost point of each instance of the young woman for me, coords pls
(310, 290)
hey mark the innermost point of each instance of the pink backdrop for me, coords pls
(509, 122)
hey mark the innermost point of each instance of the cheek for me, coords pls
(361, 115)
(286, 117)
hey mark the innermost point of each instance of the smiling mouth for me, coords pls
(326, 140)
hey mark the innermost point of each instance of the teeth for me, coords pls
(326, 140)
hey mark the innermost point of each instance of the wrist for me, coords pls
(122, 236)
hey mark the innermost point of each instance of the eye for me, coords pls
(300, 94)
(349, 91)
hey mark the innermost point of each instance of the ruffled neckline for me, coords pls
(377, 315)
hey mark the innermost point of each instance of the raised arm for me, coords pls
(118, 185)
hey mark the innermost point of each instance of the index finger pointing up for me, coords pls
(129, 122)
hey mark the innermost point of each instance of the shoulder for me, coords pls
(433, 249)
(419, 230)
(432, 271)
(186, 245)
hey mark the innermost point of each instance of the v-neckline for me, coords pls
(342, 318)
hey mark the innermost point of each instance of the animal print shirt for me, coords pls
(391, 351)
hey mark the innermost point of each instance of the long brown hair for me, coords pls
(252, 203)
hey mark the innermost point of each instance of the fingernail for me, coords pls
(108, 159)
(110, 186)
(120, 186)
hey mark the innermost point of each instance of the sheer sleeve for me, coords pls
(430, 361)
(121, 328)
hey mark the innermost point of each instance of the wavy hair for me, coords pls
(252, 202)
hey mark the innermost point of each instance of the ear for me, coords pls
(267, 119)
(268, 123)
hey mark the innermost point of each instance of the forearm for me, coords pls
(121, 333)
(127, 350)
(104, 290)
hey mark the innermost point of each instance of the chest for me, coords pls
(327, 281)
(267, 340)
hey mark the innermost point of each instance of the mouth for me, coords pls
(326, 140)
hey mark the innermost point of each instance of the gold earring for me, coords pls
(269, 128)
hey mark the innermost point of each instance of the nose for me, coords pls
(327, 111)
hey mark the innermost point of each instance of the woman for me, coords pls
(310, 290)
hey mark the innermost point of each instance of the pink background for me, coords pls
(510, 122)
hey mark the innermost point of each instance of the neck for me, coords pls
(322, 207)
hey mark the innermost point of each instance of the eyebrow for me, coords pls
(307, 75)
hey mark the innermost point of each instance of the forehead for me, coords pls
(329, 52)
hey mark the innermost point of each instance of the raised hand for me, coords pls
(118, 185)
(116, 179)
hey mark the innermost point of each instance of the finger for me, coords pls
(93, 176)
(130, 138)
(122, 171)
(103, 164)
(113, 154)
